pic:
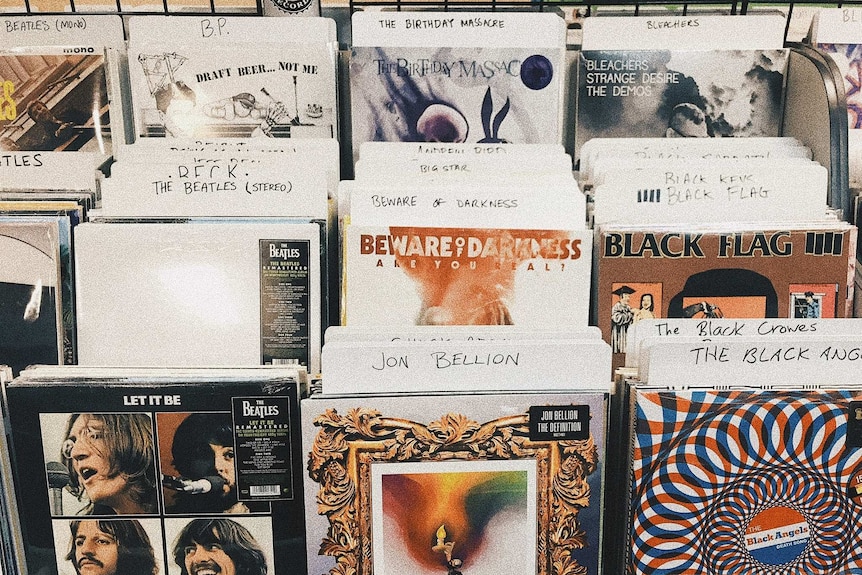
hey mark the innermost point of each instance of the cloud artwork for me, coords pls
(639, 93)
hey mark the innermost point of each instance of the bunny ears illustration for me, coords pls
(444, 123)
(492, 130)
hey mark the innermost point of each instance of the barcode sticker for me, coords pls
(264, 490)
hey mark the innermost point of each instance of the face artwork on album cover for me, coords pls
(67, 109)
(197, 456)
(110, 464)
(109, 547)
(220, 545)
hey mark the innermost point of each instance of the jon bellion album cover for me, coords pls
(733, 273)
(746, 481)
(278, 91)
(674, 93)
(151, 471)
(54, 99)
(486, 95)
(457, 483)
(459, 276)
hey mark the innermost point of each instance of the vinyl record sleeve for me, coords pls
(30, 295)
(485, 95)
(67, 214)
(11, 547)
(848, 58)
(755, 481)
(279, 91)
(148, 414)
(691, 272)
(673, 93)
(391, 470)
(459, 276)
(55, 98)
(199, 293)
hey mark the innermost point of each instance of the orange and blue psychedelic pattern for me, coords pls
(750, 482)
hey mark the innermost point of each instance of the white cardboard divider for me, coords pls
(709, 192)
(234, 29)
(343, 333)
(693, 32)
(557, 205)
(727, 363)
(724, 328)
(58, 29)
(215, 188)
(837, 26)
(458, 29)
(48, 171)
(441, 366)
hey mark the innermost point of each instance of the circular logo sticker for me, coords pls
(777, 535)
(291, 6)
(537, 72)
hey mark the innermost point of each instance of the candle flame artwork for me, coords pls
(437, 518)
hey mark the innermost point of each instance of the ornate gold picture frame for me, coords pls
(346, 446)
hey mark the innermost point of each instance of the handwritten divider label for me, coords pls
(323, 150)
(49, 170)
(657, 195)
(715, 329)
(215, 188)
(557, 206)
(233, 29)
(535, 155)
(443, 169)
(746, 362)
(442, 366)
(838, 26)
(455, 333)
(668, 148)
(51, 29)
(700, 32)
(709, 168)
(407, 29)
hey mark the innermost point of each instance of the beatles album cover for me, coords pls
(690, 273)
(278, 91)
(152, 471)
(54, 99)
(31, 308)
(675, 93)
(227, 292)
(746, 481)
(472, 483)
(487, 95)
(458, 276)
